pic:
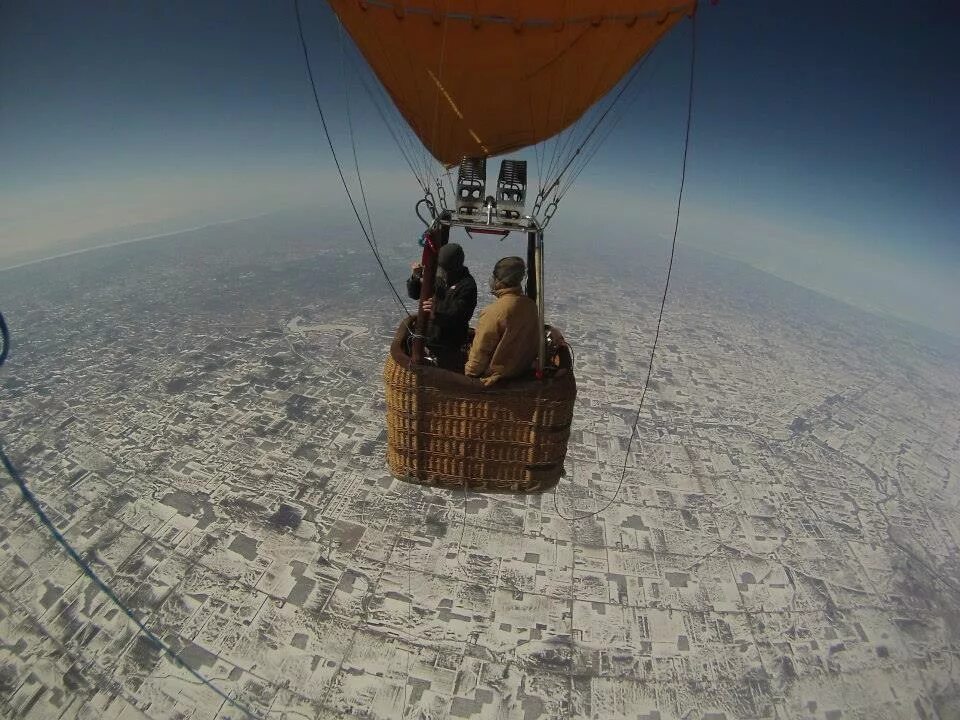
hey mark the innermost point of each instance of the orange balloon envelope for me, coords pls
(484, 77)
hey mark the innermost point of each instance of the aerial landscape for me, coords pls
(229, 489)
(207, 429)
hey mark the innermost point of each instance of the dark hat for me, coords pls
(508, 272)
(450, 257)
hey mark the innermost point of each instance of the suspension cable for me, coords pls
(436, 112)
(336, 160)
(353, 140)
(596, 125)
(399, 132)
(404, 150)
(582, 122)
(601, 139)
(666, 288)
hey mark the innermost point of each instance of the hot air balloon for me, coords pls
(476, 79)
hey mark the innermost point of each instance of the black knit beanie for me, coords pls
(450, 257)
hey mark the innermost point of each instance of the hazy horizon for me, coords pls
(821, 153)
(562, 254)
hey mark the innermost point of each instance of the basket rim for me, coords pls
(448, 381)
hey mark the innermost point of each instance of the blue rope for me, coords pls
(4, 339)
(105, 589)
(85, 567)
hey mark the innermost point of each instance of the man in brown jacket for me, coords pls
(507, 336)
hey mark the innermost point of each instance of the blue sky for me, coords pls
(824, 144)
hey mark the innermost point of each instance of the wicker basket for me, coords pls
(448, 430)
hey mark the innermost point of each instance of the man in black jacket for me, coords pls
(451, 307)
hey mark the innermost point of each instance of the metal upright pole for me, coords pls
(542, 346)
(531, 263)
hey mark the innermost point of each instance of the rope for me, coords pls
(542, 180)
(436, 108)
(666, 287)
(85, 567)
(577, 127)
(105, 589)
(463, 529)
(426, 160)
(353, 140)
(399, 131)
(598, 142)
(623, 88)
(336, 160)
(4, 340)
(378, 104)
(566, 138)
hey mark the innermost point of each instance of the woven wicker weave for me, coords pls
(448, 430)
